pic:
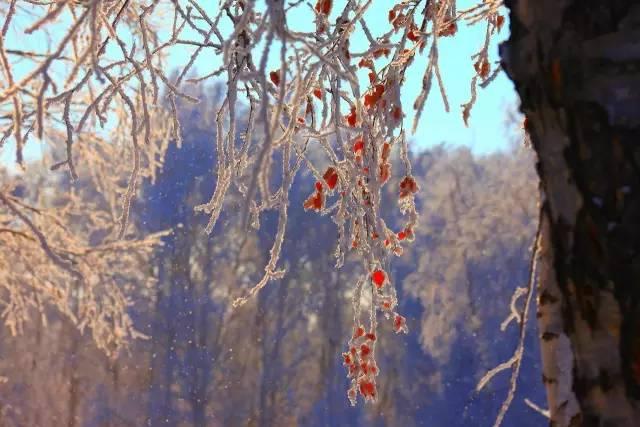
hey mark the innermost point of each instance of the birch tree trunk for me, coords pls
(576, 66)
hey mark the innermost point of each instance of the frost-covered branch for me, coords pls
(103, 84)
(515, 362)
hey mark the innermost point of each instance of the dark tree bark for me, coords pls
(575, 64)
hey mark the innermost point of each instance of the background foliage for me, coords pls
(275, 361)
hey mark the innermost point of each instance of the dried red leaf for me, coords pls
(324, 6)
(378, 277)
(408, 186)
(413, 34)
(365, 350)
(365, 63)
(331, 177)
(315, 201)
(358, 145)
(370, 100)
(399, 21)
(274, 76)
(364, 367)
(482, 68)
(368, 389)
(448, 29)
(382, 51)
(386, 150)
(384, 172)
(399, 324)
(317, 92)
(352, 118)
(358, 332)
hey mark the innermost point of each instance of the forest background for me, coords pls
(275, 361)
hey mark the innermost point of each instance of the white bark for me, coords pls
(555, 346)
(570, 61)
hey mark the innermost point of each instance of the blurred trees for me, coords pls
(274, 361)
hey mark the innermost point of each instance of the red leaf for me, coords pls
(358, 145)
(449, 29)
(365, 350)
(324, 6)
(315, 201)
(368, 389)
(352, 118)
(275, 77)
(408, 186)
(384, 172)
(347, 358)
(386, 150)
(365, 63)
(399, 323)
(382, 51)
(331, 178)
(482, 68)
(370, 100)
(414, 34)
(378, 277)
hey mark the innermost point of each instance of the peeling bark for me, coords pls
(555, 346)
(576, 67)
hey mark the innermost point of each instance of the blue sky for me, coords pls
(487, 130)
